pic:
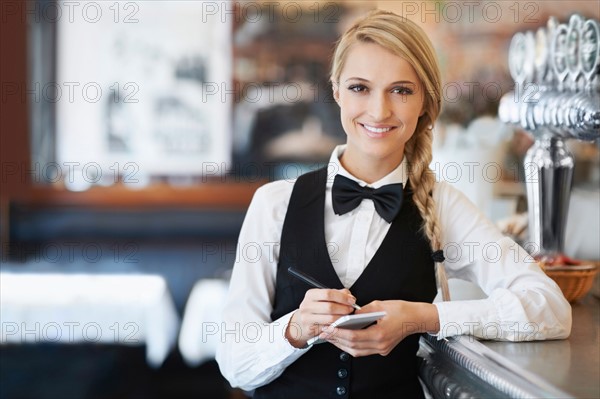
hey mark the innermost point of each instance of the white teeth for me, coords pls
(377, 130)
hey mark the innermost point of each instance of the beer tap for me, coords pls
(556, 97)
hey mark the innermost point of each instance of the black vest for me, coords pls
(401, 268)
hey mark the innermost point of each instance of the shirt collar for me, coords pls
(398, 175)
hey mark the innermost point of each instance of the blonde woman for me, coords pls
(370, 226)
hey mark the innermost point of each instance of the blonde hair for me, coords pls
(407, 40)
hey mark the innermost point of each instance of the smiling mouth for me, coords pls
(377, 131)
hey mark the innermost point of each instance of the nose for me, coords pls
(379, 108)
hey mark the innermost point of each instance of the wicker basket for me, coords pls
(574, 284)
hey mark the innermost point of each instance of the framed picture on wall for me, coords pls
(145, 82)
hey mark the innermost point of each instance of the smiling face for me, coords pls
(381, 99)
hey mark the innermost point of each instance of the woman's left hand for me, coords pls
(403, 319)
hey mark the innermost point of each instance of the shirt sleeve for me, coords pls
(523, 303)
(253, 350)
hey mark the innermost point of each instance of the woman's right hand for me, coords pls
(320, 308)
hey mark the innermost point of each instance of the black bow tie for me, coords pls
(348, 194)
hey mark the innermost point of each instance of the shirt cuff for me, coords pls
(287, 353)
(466, 317)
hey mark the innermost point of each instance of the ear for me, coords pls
(335, 87)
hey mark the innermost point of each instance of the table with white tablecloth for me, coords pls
(120, 309)
(201, 328)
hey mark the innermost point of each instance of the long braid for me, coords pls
(418, 155)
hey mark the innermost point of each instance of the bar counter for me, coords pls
(467, 368)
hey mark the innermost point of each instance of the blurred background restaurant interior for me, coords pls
(133, 135)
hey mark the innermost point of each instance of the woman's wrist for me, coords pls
(424, 315)
(293, 334)
(430, 318)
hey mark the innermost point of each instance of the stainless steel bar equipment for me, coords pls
(556, 97)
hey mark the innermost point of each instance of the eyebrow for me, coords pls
(391, 84)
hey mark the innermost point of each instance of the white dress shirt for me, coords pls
(522, 304)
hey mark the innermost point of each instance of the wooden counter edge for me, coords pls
(207, 195)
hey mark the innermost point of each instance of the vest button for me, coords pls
(342, 373)
(340, 391)
(344, 357)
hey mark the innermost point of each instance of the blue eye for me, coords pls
(357, 88)
(402, 90)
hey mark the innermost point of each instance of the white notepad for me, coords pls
(351, 322)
